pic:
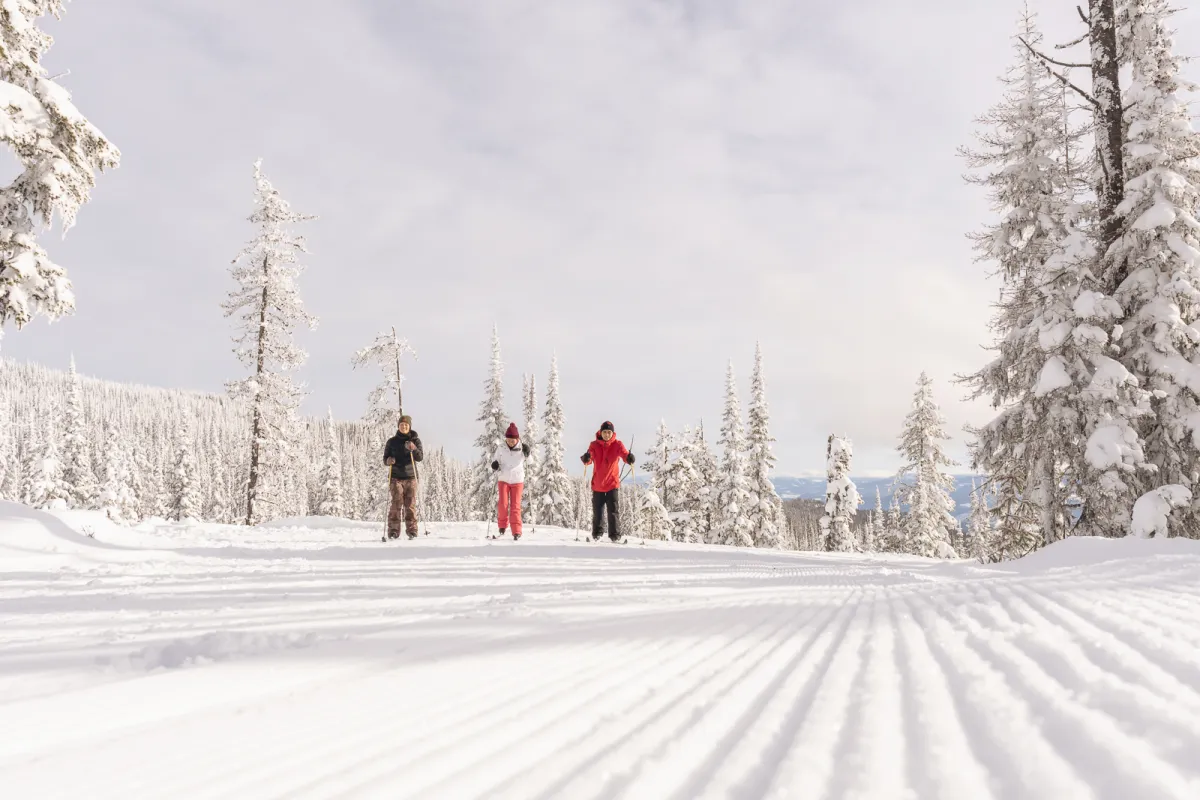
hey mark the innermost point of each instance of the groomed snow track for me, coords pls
(463, 669)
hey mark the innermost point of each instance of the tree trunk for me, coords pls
(1106, 88)
(256, 418)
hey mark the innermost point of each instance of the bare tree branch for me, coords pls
(1047, 58)
(1078, 41)
(1086, 19)
(1061, 78)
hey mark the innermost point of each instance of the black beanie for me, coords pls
(607, 426)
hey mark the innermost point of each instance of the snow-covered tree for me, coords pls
(58, 151)
(658, 461)
(979, 528)
(385, 403)
(8, 453)
(117, 498)
(531, 435)
(1158, 253)
(653, 522)
(841, 497)
(184, 497)
(928, 526)
(681, 488)
(77, 456)
(47, 488)
(766, 511)
(331, 502)
(267, 305)
(731, 524)
(558, 493)
(485, 491)
(704, 503)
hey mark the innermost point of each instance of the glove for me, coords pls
(525, 450)
(390, 462)
(629, 459)
(410, 446)
(495, 465)
(586, 458)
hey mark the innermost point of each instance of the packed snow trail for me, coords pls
(309, 660)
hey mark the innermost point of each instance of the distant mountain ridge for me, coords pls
(814, 489)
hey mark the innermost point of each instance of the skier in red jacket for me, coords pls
(606, 453)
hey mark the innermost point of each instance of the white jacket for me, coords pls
(512, 463)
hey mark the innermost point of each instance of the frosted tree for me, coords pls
(184, 496)
(385, 403)
(557, 491)
(653, 522)
(704, 502)
(1158, 253)
(731, 523)
(841, 497)
(267, 306)
(681, 489)
(58, 152)
(331, 502)
(77, 456)
(928, 526)
(979, 528)
(47, 487)
(531, 435)
(8, 453)
(658, 461)
(485, 491)
(766, 512)
(117, 498)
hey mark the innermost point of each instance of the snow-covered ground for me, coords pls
(311, 660)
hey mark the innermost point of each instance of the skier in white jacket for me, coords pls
(509, 462)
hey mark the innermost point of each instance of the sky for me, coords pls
(644, 188)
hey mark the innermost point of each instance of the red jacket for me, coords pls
(607, 458)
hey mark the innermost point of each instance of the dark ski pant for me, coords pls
(600, 501)
(403, 506)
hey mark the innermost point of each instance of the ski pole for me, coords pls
(387, 515)
(579, 509)
(417, 478)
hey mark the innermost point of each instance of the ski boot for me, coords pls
(516, 536)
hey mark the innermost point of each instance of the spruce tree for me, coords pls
(558, 491)
(682, 487)
(117, 498)
(48, 489)
(731, 514)
(77, 451)
(184, 497)
(485, 491)
(979, 528)
(267, 305)
(653, 522)
(58, 152)
(928, 526)
(385, 403)
(704, 503)
(658, 462)
(531, 435)
(331, 502)
(8, 453)
(841, 497)
(766, 514)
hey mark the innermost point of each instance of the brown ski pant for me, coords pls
(404, 502)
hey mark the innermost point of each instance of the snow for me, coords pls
(307, 659)
(1152, 511)
(1159, 215)
(1052, 378)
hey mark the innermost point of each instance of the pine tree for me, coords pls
(59, 152)
(331, 503)
(841, 497)
(653, 522)
(558, 492)
(77, 456)
(268, 308)
(117, 498)
(485, 491)
(732, 520)
(681, 489)
(658, 462)
(704, 503)
(979, 528)
(8, 454)
(184, 498)
(1158, 252)
(385, 403)
(928, 526)
(531, 436)
(766, 513)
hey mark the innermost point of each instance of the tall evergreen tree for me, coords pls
(77, 456)
(331, 502)
(532, 436)
(558, 493)
(979, 528)
(704, 503)
(841, 497)
(731, 515)
(117, 498)
(766, 512)
(681, 492)
(58, 151)
(928, 526)
(8, 454)
(486, 491)
(184, 497)
(385, 403)
(658, 462)
(268, 308)
(47, 488)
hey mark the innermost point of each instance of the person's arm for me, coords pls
(587, 457)
(418, 452)
(388, 451)
(496, 459)
(524, 450)
(625, 454)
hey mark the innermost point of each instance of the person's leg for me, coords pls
(410, 505)
(502, 506)
(597, 510)
(614, 530)
(514, 502)
(395, 508)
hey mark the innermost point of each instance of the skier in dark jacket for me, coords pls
(606, 453)
(401, 454)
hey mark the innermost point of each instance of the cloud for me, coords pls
(645, 188)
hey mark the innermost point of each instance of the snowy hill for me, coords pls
(308, 659)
